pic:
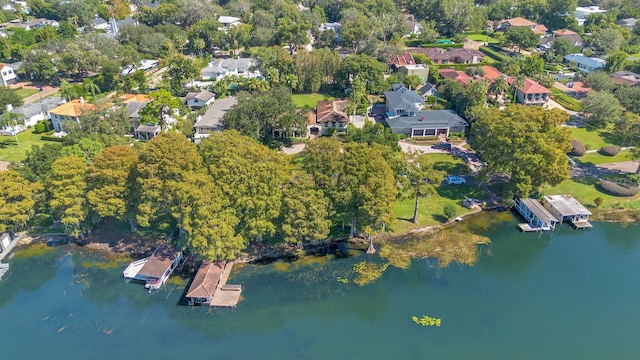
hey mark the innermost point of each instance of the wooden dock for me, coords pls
(4, 268)
(582, 224)
(524, 227)
(226, 295)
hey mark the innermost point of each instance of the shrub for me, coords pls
(443, 46)
(619, 189)
(492, 53)
(449, 211)
(577, 149)
(51, 138)
(598, 201)
(40, 127)
(610, 150)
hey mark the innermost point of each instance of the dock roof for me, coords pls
(206, 280)
(538, 210)
(566, 205)
(159, 262)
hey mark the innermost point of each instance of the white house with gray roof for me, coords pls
(402, 101)
(586, 64)
(197, 100)
(218, 69)
(37, 111)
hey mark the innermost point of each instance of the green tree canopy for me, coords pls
(66, 187)
(18, 200)
(525, 143)
(601, 109)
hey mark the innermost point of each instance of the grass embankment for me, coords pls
(11, 151)
(595, 158)
(482, 38)
(309, 100)
(565, 100)
(592, 139)
(585, 190)
(431, 209)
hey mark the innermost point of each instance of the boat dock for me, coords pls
(7, 244)
(225, 295)
(539, 219)
(567, 209)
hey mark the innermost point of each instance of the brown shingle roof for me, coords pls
(520, 21)
(72, 108)
(332, 111)
(206, 280)
(159, 262)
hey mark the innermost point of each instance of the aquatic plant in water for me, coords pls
(342, 280)
(368, 272)
(426, 321)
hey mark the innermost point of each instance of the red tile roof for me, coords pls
(491, 73)
(564, 32)
(403, 59)
(457, 76)
(331, 111)
(532, 87)
(540, 30)
(519, 21)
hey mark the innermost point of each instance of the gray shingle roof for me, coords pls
(403, 98)
(214, 114)
(37, 107)
(444, 118)
(202, 95)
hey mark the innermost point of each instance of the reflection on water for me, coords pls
(573, 291)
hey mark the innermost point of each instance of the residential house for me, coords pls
(211, 121)
(405, 64)
(37, 111)
(570, 35)
(146, 132)
(218, 69)
(625, 78)
(532, 93)
(329, 115)
(198, 100)
(40, 23)
(451, 56)
(491, 73)
(134, 103)
(228, 22)
(15, 24)
(428, 123)
(15, 6)
(334, 26)
(415, 27)
(401, 101)
(427, 90)
(582, 12)
(116, 26)
(537, 29)
(144, 65)
(628, 23)
(71, 110)
(455, 75)
(586, 64)
(100, 24)
(7, 75)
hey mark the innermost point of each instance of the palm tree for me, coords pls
(91, 87)
(499, 86)
(518, 83)
(67, 90)
(12, 120)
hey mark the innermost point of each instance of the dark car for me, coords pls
(442, 146)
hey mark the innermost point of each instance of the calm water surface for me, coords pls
(566, 295)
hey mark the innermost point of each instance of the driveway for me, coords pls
(294, 149)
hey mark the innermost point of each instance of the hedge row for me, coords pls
(51, 138)
(492, 53)
(459, 67)
(565, 100)
(619, 189)
(477, 32)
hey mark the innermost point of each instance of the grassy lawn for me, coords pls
(23, 93)
(450, 164)
(585, 191)
(596, 158)
(482, 38)
(310, 100)
(9, 149)
(591, 139)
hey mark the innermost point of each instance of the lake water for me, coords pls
(562, 295)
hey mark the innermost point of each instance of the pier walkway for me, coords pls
(226, 295)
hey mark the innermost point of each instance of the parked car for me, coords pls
(456, 180)
(442, 146)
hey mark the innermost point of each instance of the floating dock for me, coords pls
(226, 295)
(567, 209)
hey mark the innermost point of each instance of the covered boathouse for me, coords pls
(204, 283)
(210, 286)
(155, 269)
(537, 217)
(567, 208)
